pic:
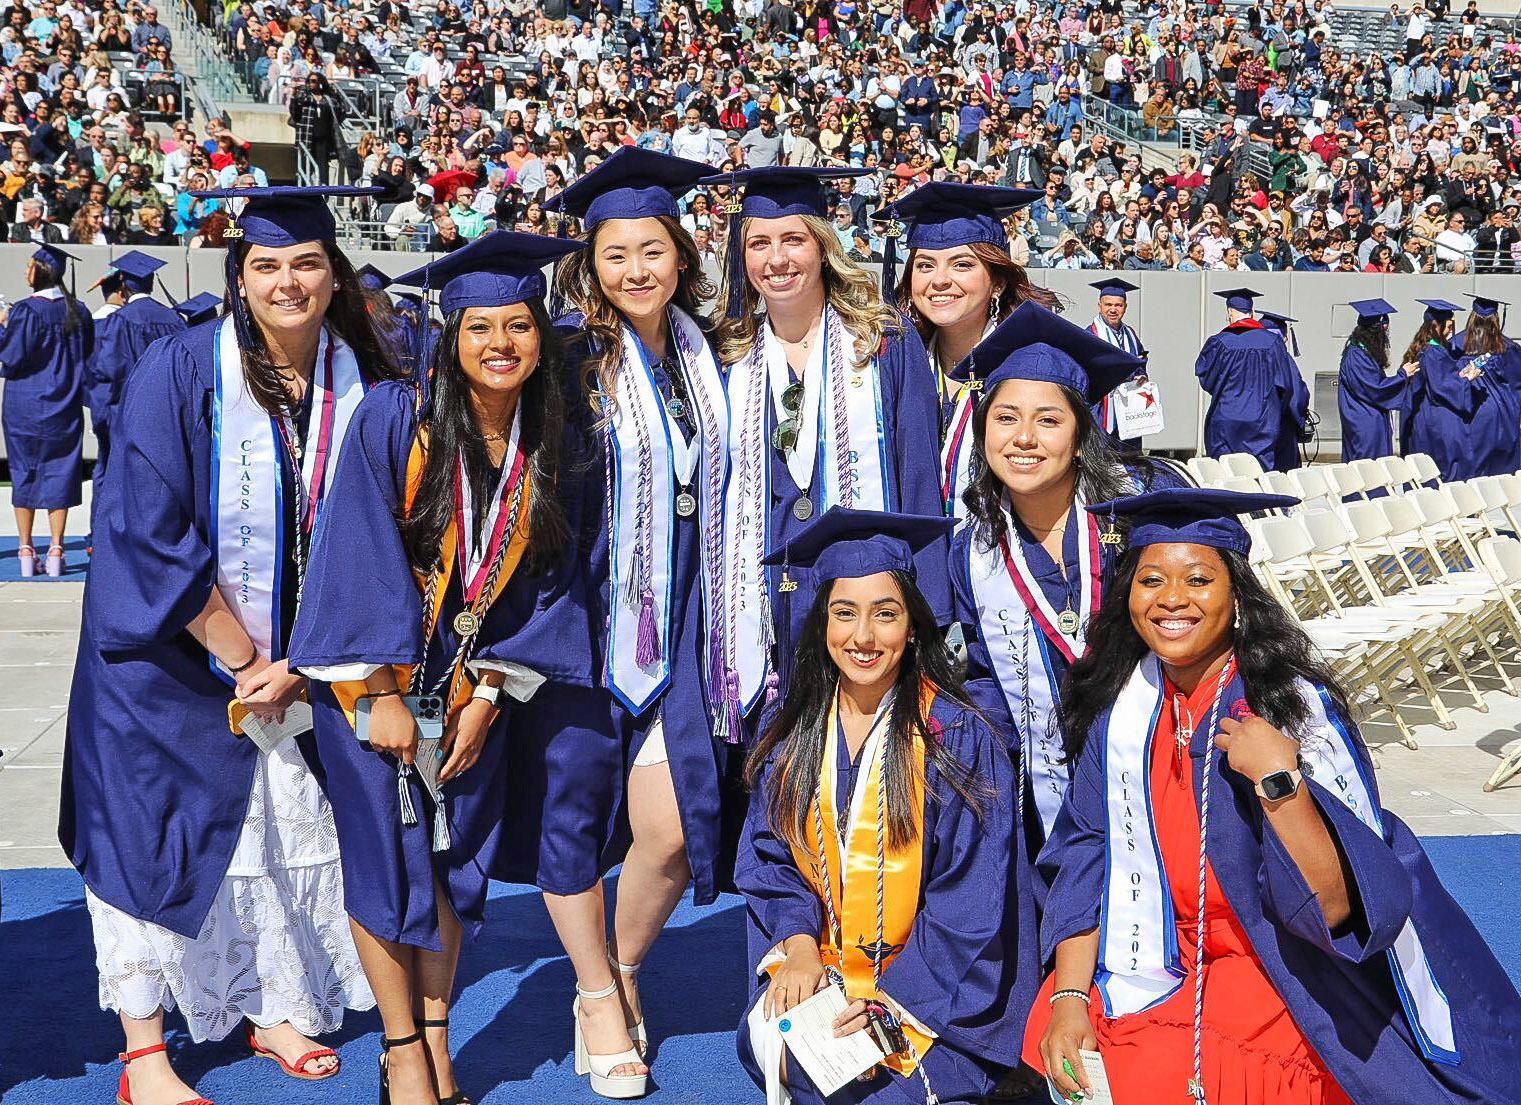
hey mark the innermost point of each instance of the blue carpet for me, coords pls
(512, 1019)
(74, 560)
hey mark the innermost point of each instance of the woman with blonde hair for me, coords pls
(831, 403)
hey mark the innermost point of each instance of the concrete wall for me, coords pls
(1174, 313)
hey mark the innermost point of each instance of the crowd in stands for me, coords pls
(1305, 150)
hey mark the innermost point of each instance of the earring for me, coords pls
(336, 285)
(995, 307)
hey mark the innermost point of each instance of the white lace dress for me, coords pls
(276, 945)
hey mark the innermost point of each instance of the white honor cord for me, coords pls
(1196, 1084)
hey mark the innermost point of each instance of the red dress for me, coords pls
(1253, 1052)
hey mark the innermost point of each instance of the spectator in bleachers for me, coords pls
(314, 116)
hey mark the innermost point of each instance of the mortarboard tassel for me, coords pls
(556, 305)
(1294, 341)
(419, 352)
(647, 644)
(236, 307)
(404, 795)
(441, 841)
(890, 262)
(734, 256)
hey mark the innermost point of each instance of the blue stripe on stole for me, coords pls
(276, 637)
(890, 494)
(216, 474)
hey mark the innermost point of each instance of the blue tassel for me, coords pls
(441, 842)
(890, 263)
(420, 366)
(236, 307)
(404, 795)
(734, 258)
(647, 645)
(556, 306)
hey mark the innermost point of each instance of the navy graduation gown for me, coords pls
(911, 427)
(703, 768)
(1494, 438)
(121, 338)
(1258, 400)
(1337, 985)
(1365, 397)
(155, 785)
(42, 415)
(1443, 409)
(968, 972)
(361, 605)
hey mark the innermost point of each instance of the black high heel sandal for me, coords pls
(458, 1096)
(385, 1068)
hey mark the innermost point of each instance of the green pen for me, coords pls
(1072, 1074)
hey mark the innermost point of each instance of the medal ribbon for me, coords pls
(475, 558)
(1035, 599)
(952, 460)
(313, 466)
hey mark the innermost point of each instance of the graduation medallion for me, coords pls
(802, 510)
(686, 504)
(676, 409)
(466, 623)
(1066, 621)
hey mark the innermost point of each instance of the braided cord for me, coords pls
(844, 473)
(752, 457)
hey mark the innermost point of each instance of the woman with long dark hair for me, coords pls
(46, 340)
(832, 404)
(650, 395)
(1029, 568)
(876, 853)
(191, 799)
(1492, 362)
(442, 594)
(958, 284)
(1444, 398)
(1366, 395)
(1221, 788)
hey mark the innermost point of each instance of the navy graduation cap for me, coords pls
(843, 543)
(631, 184)
(53, 259)
(1373, 308)
(945, 214)
(285, 215)
(1485, 306)
(1438, 310)
(199, 308)
(505, 266)
(1114, 286)
(1035, 343)
(1239, 299)
(136, 270)
(1192, 516)
(372, 279)
(771, 192)
(1274, 320)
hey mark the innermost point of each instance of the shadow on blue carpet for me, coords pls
(511, 1024)
(74, 561)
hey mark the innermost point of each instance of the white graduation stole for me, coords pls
(1018, 626)
(851, 464)
(650, 459)
(1124, 338)
(1138, 954)
(249, 514)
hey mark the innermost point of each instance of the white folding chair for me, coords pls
(1371, 473)
(1245, 484)
(1312, 487)
(1241, 464)
(1345, 480)
(1206, 471)
(1511, 485)
(1503, 557)
(1424, 467)
(1278, 483)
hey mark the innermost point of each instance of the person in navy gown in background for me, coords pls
(1366, 394)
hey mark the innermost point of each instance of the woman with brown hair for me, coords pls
(959, 285)
(1492, 443)
(1444, 397)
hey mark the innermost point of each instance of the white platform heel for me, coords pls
(636, 1033)
(598, 1067)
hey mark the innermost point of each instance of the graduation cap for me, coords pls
(843, 543)
(1114, 286)
(1035, 343)
(285, 215)
(1439, 310)
(771, 192)
(109, 284)
(136, 270)
(372, 279)
(1273, 320)
(1239, 299)
(199, 308)
(53, 259)
(502, 267)
(946, 214)
(1192, 516)
(1485, 306)
(1372, 308)
(631, 184)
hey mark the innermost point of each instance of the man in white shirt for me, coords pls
(585, 46)
(1455, 246)
(692, 141)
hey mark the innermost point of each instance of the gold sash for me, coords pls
(855, 895)
(350, 692)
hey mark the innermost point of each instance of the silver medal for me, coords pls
(686, 504)
(802, 510)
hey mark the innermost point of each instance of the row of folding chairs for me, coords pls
(1399, 579)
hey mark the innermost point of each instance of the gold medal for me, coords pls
(1066, 621)
(466, 623)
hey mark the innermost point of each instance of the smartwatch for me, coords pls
(487, 693)
(1278, 785)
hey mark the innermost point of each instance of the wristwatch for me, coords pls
(1278, 785)
(487, 693)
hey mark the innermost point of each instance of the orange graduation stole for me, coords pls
(350, 692)
(855, 894)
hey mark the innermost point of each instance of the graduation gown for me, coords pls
(1365, 397)
(1337, 985)
(1494, 438)
(361, 606)
(1257, 399)
(967, 972)
(42, 414)
(120, 339)
(1444, 407)
(703, 768)
(155, 786)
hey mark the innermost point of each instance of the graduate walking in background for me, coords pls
(1366, 395)
(1445, 399)
(1258, 402)
(1109, 325)
(45, 344)
(1493, 363)
(210, 861)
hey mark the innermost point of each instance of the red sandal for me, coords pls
(293, 1071)
(124, 1089)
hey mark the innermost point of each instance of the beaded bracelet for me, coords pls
(1068, 994)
